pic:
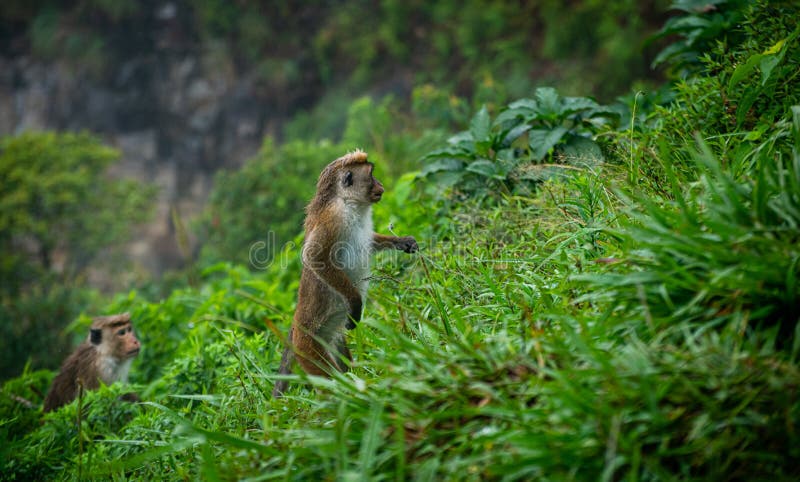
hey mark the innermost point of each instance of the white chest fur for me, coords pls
(354, 247)
(110, 369)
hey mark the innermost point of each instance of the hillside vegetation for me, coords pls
(603, 292)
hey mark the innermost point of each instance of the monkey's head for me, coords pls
(113, 336)
(349, 178)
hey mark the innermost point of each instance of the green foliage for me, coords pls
(58, 213)
(725, 252)
(19, 399)
(506, 154)
(698, 28)
(55, 203)
(65, 436)
(733, 98)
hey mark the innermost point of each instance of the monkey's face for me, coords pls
(122, 341)
(358, 184)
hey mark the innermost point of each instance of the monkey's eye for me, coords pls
(121, 332)
(348, 179)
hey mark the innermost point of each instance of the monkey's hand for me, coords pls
(354, 314)
(407, 244)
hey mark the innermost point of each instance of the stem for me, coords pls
(633, 121)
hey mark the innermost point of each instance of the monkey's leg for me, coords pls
(287, 362)
(312, 356)
(343, 357)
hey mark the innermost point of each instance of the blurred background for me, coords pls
(143, 140)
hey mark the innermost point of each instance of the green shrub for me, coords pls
(733, 98)
(62, 443)
(698, 28)
(506, 155)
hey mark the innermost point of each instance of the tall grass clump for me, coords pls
(723, 249)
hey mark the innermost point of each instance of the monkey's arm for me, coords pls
(318, 257)
(401, 243)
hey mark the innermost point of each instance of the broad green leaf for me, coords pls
(448, 178)
(576, 104)
(529, 104)
(514, 134)
(541, 141)
(744, 69)
(766, 65)
(513, 114)
(549, 102)
(461, 138)
(480, 125)
(484, 167)
(581, 150)
(444, 164)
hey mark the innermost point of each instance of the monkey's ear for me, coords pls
(348, 179)
(95, 336)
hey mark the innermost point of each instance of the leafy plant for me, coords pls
(731, 102)
(507, 153)
(698, 27)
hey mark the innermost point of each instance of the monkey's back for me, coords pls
(79, 365)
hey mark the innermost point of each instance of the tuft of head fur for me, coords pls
(100, 322)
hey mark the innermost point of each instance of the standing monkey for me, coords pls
(105, 356)
(336, 254)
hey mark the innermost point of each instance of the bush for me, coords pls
(505, 156)
(732, 99)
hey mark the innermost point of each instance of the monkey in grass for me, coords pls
(105, 356)
(336, 254)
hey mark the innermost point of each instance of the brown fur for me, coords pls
(338, 242)
(104, 356)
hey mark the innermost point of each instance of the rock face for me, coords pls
(175, 120)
